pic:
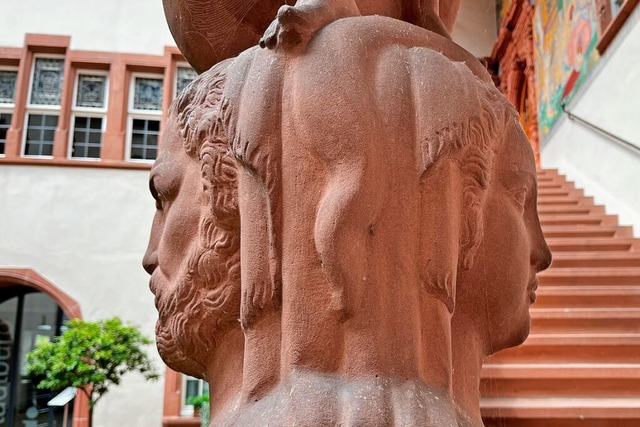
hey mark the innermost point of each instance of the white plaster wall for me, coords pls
(610, 98)
(86, 229)
(476, 26)
(132, 26)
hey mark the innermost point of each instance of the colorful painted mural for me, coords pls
(565, 33)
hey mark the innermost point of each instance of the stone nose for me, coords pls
(150, 260)
(541, 257)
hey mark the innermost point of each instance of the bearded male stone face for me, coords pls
(193, 253)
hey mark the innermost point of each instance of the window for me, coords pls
(191, 387)
(89, 115)
(184, 76)
(5, 123)
(8, 78)
(44, 106)
(144, 139)
(41, 129)
(87, 137)
(46, 82)
(145, 111)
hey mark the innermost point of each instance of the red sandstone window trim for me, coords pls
(119, 66)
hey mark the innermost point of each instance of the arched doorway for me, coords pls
(32, 310)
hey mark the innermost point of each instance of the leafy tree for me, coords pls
(91, 356)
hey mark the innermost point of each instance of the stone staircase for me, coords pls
(580, 365)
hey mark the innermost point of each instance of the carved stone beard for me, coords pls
(202, 305)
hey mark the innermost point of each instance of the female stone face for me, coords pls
(499, 288)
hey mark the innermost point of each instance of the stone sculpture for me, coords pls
(209, 31)
(382, 238)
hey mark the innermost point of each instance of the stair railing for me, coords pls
(635, 148)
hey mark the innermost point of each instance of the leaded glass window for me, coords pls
(5, 123)
(41, 129)
(184, 76)
(144, 139)
(91, 91)
(46, 88)
(87, 137)
(147, 94)
(7, 86)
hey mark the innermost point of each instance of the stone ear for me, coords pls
(441, 226)
(471, 227)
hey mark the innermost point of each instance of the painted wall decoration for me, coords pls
(565, 34)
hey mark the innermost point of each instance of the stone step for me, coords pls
(585, 320)
(558, 183)
(618, 409)
(591, 244)
(550, 179)
(563, 379)
(546, 172)
(561, 370)
(573, 348)
(561, 191)
(564, 200)
(555, 219)
(596, 259)
(545, 210)
(586, 231)
(588, 296)
(590, 276)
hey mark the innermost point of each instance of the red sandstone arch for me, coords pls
(30, 278)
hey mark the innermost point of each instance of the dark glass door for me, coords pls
(27, 317)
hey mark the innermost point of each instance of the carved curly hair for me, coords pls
(207, 300)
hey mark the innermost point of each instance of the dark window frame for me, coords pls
(41, 128)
